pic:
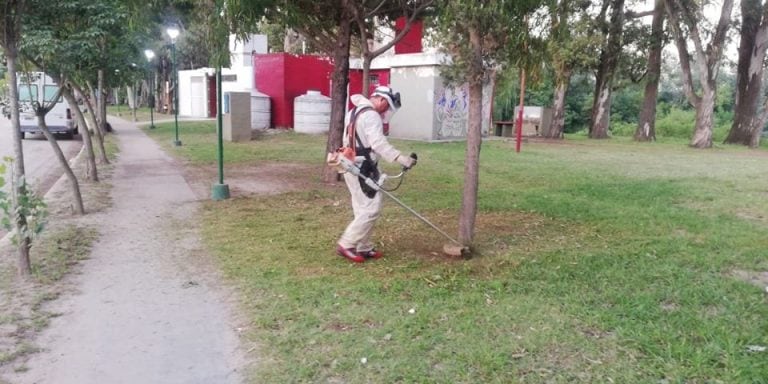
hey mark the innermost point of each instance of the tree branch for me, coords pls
(718, 40)
(682, 51)
(408, 23)
(631, 15)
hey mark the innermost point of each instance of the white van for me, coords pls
(39, 87)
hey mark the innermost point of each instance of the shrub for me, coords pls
(677, 123)
(621, 128)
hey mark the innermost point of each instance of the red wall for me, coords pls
(356, 81)
(411, 42)
(283, 77)
(211, 95)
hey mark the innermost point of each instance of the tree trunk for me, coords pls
(340, 78)
(101, 102)
(562, 80)
(130, 92)
(18, 186)
(166, 87)
(747, 127)
(366, 74)
(76, 195)
(646, 124)
(702, 133)
(85, 134)
(93, 124)
(708, 59)
(563, 67)
(609, 60)
(474, 140)
(91, 172)
(601, 111)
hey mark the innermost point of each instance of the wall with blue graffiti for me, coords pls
(432, 111)
(452, 111)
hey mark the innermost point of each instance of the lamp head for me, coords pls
(172, 32)
(150, 54)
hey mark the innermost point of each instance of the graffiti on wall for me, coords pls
(452, 111)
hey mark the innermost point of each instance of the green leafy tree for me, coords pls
(328, 26)
(30, 205)
(480, 36)
(65, 45)
(372, 15)
(646, 125)
(686, 24)
(41, 110)
(572, 46)
(10, 28)
(610, 54)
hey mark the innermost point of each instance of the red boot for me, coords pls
(372, 254)
(350, 254)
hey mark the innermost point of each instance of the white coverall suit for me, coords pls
(370, 130)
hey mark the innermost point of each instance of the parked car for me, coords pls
(37, 87)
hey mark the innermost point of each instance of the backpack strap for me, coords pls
(352, 136)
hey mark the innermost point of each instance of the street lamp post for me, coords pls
(173, 33)
(220, 191)
(151, 55)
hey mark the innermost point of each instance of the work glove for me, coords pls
(407, 162)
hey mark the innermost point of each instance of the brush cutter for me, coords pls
(353, 167)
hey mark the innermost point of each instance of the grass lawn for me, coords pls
(142, 113)
(597, 261)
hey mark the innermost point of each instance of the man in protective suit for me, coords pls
(368, 118)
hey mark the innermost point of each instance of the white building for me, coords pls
(430, 110)
(197, 87)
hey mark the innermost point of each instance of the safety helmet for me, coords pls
(393, 98)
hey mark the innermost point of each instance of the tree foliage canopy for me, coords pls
(503, 30)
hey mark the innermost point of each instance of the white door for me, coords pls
(199, 108)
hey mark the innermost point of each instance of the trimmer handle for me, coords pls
(415, 158)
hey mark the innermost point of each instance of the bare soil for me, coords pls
(245, 180)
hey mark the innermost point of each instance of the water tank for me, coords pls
(311, 113)
(260, 112)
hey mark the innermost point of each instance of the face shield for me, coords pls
(393, 100)
(387, 116)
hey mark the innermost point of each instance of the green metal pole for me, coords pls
(177, 142)
(219, 125)
(220, 191)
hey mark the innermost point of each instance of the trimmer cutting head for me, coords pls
(456, 250)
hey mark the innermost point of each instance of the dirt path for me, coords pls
(148, 309)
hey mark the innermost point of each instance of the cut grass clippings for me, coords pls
(596, 261)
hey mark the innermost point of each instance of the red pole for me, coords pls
(520, 114)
